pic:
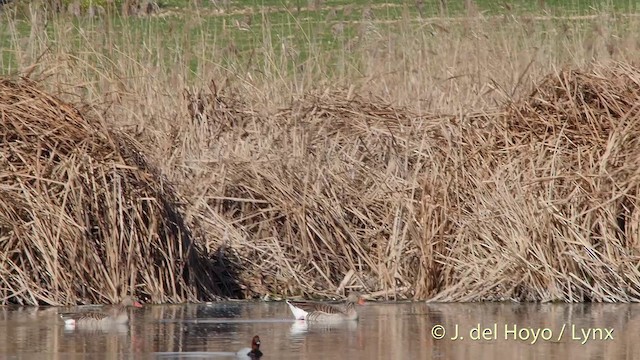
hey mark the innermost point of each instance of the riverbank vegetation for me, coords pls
(482, 155)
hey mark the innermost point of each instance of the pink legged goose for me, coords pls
(323, 312)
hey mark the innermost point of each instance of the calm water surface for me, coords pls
(385, 331)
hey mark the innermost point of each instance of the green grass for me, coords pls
(304, 31)
(432, 7)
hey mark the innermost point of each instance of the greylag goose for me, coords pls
(323, 312)
(117, 315)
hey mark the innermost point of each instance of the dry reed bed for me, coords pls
(533, 202)
(83, 216)
(546, 205)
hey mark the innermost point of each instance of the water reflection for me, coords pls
(385, 331)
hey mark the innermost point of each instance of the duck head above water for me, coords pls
(255, 346)
(254, 352)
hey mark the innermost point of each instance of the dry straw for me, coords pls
(83, 216)
(534, 202)
(546, 194)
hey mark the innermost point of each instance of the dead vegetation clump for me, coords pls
(550, 197)
(313, 198)
(534, 202)
(83, 216)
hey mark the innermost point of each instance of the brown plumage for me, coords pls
(324, 312)
(117, 315)
(254, 352)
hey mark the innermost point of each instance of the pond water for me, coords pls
(384, 331)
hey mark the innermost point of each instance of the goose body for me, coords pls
(117, 315)
(323, 312)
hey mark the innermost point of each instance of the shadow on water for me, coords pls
(385, 331)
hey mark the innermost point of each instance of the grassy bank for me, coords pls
(450, 158)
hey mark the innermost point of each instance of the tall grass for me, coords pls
(421, 158)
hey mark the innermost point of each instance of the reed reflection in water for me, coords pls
(385, 331)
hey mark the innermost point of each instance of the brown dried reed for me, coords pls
(547, 198)
(83, 216)
(534, 202)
